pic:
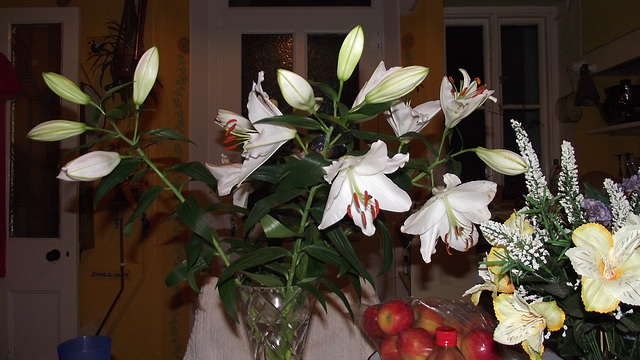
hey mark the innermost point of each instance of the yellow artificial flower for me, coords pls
(519, 222)
(609, 265)
(494, 280)
(521, 322)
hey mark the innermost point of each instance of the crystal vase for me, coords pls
(276, 319)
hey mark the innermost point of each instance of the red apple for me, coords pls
(479, 345)
(415, 344)
(427, 318)
(395, 316)
(389, 348)
(370, 323)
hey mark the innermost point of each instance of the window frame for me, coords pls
(491, 19)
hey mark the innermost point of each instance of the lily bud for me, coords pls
(398, 84)
(296, 90)
(91, 166)
(55, 130)
(145, 75)
(65, 88)
(350, 53)
(503, 161)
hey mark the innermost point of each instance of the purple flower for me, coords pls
(597, 211)
(630, 185)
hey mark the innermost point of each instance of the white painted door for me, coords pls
(38, 296)
(216, 64)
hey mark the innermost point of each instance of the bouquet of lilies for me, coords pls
(565, 269)
(308, 182)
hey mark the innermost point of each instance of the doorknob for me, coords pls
(53, 255)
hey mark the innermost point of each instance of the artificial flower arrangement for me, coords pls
(322, 179)
(565, 269)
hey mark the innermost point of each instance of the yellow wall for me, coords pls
(150, 321)
(602, 23)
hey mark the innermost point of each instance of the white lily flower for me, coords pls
(451, 214)
(65, 88)
(387, 85)
(228, 175)
(296, 90)
(145, 75)
(90, 166)
(360, 188)
(404, 119)
(609, 265)
(261, 142)
(54, 130)
(520, 322)
(457, 104)
(502, 160)
(350, 53)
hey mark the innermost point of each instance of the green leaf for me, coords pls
(307, 171)
(274, 228)
(167, 134)
(313, 290)
(114, 90)
(326, 89)
(340, 294)
(323, 253)
(147, 198)
(292, 120)
(255, 258)
(424, 140)
(263, 206)
(192, 215)
(264, 280)
(179, 273)
(387, 247)
(227, 291)
(371, 136)
(269, 173)
(369, 110)
(117, 176)
(342, 244)
(197, 171)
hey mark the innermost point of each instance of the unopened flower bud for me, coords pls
(503, 161)
(350, 53)
(55, 130)
(145, 75)
(398, 84)
(91, 166)
(296, 90)
(65, 88)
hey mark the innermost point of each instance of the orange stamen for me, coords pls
(364, 218)
(349, 211)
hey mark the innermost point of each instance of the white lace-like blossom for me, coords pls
(620, 207)
(534, 178)
(568, 186)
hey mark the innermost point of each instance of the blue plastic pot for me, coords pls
(86, 348)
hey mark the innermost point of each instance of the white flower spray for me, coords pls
(620, 207)
(568, 187)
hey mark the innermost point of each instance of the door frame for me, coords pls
(69, 17)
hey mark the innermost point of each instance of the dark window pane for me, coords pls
(464, 50)
(33, 187)
(256, 3)
(520, 64)
(322, 54)
(514, 186)
(268, 53)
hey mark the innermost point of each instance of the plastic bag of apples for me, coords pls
(404, 329)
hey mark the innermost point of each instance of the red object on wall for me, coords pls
(8, 89)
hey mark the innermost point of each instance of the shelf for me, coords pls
(624, 129)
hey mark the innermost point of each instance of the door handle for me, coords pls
(53, 255)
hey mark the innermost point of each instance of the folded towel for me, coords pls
(331, 335)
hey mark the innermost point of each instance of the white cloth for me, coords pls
(332, 335)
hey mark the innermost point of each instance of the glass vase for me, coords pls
(276, 319)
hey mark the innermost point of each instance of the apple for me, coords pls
(415, 344)
(370, 323)
(479, 345)
(395, 316)
(427, 318)
(389, 348)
